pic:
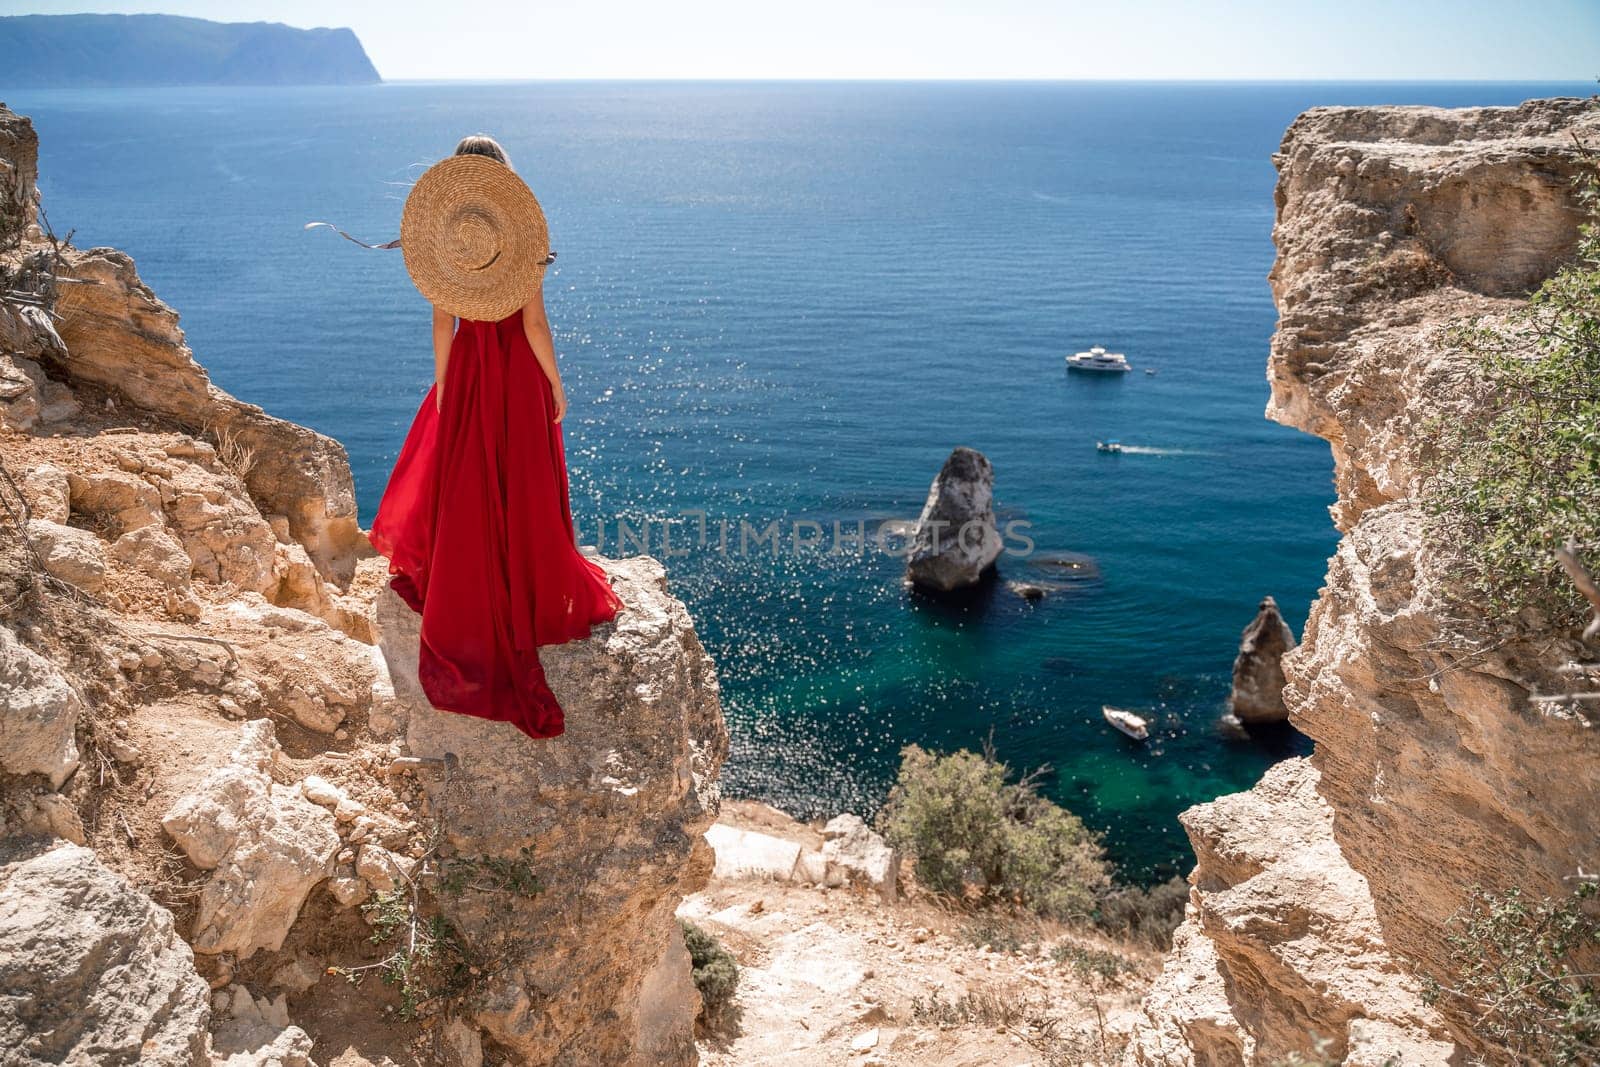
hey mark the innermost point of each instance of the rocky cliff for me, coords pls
(1320, 898)
(231, 828)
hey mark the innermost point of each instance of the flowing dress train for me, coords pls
(477, 527)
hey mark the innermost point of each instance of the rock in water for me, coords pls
(1258, 669)
(91, 969)
(956, 541)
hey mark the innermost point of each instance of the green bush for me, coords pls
(716, 974)
(1517, 474)
(426, 962)
(1147, 916)
(972, 829)
(1523, 974)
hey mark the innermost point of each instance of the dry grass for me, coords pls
(1031, 1019)
(233, 453)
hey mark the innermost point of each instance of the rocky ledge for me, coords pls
(1321, 897)
(231, 829)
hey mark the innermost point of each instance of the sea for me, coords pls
(778, 306)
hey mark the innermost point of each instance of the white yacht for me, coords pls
(1133, 725)
(1099, 360)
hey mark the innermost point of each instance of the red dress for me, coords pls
(477, 528)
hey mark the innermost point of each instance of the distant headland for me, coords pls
(97, 51)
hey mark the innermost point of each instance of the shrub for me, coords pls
(1086, 962)
(1148, 916)
(1517, 474)
(972, 829)
(1523, 973)
(425, 963)
(716, 974)
(1003, 932)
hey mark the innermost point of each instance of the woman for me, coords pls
(475, 520)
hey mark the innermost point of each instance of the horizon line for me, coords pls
(658, 79)
(1591, 80)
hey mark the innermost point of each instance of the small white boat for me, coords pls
(1097, 359)
(1127, 722)
(1113, 446)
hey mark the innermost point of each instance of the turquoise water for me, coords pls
(789, 301)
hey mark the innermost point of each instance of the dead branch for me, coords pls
(1567, 556)
(162, 635)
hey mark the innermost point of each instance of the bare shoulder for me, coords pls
(534, 308)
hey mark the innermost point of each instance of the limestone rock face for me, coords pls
(38, 714)
(19, 174)
(1321, 898)
(1287, 927)
(121, 337)
(91, 970)
(956, 541)
(265, 844)
(611, 814)
(1258, 669)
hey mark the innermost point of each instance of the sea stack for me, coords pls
(956, 542)
(1258, 669)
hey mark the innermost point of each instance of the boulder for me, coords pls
(608, 817)
(21, 382)
(38, 714)
(46, 491)
(91, 969)
(955, 541)
(265, 844)
(43, 812)
(120, 496)
(382, 869)
(153, 551)
(751, 853)
(1258, 678)
(73, 555)
(861, 854)
(255, 1032)
(303, 668)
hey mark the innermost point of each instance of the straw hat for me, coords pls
(474, 238)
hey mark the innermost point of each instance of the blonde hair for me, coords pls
(481, 144)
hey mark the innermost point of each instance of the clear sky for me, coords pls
(1291, 39)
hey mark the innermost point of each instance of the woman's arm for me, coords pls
(444, 328)
(536, 327)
